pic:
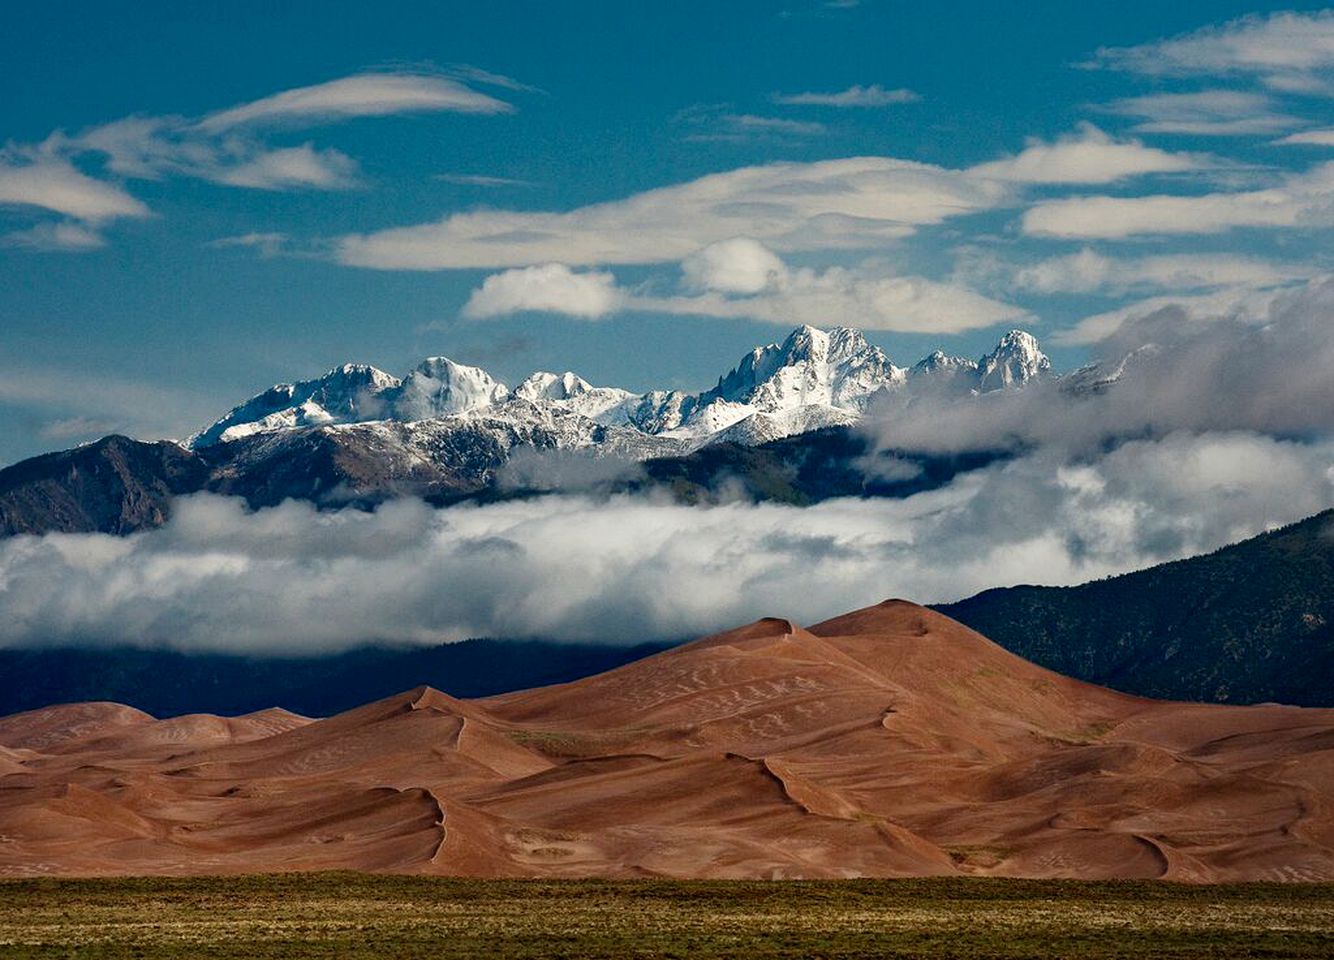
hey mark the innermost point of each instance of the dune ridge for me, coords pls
(891, 741)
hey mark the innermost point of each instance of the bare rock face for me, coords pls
(116, 485)
(891, 741)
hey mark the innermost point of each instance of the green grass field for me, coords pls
(355, 915)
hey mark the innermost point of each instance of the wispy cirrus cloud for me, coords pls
(227, 147)
(855, 96)
(721, 122)
(853, 203)
(1323, 137)
(1088, 271)
(362, 95)
(1086, 156)
(1206, 113)
(34, 178)
(1298, 200)
(481, 180)
(1287, 51)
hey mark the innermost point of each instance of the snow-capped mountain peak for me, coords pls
(552, 386)
(814, 378)
(349, 392)
(571, 392)
(1016, 360)
(440, 387)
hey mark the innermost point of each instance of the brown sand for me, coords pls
(889, 742)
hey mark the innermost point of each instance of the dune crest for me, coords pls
(891, 741)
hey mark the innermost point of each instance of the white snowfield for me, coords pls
(813, 379)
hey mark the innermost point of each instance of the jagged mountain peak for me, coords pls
(1016, 360)
(441, 387)
(814, 377)
(552, 386)
(939, 361)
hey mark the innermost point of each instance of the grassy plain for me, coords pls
(358, 915)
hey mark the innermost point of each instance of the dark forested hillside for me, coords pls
(1246, 624)
(166, 683)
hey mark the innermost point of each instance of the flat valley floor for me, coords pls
(361, 915)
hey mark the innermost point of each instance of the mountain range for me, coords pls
(358, 436)
(891, 741)
(814, 378)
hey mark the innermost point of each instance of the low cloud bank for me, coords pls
(1261, 365)
(291, 579)
(1219, 425)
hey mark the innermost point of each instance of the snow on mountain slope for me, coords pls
(813, 379)
(570, 392)
(1016, 360)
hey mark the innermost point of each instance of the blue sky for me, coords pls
(195, 203)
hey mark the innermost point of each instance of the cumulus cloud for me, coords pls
(1299, 200)
(736, 265)
(1091, 272)
(852, 203)
(742, 278)
(550, 287)
(1208, 113)
(292, 579)
(1087, 156)
(855, 96)
(1288, 51)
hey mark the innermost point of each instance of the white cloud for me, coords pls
(292, 167)
(1288, 51)
(749, 122)
(362, 95)
(222, 148)
(717, 122)
(858, 202)
(268, 244)
(1240, 303)
(293, 578)
(1087, 156)
(737, 265)
(1089, 271)
(63, 235)
(1205, 113)
(854, 96)
(740, 278)
(481, 180)
(1323, 137)
(1305, 199)
(861, 297)
(54, 184)
(549, 287)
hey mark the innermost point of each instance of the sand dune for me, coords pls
(891, 741)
